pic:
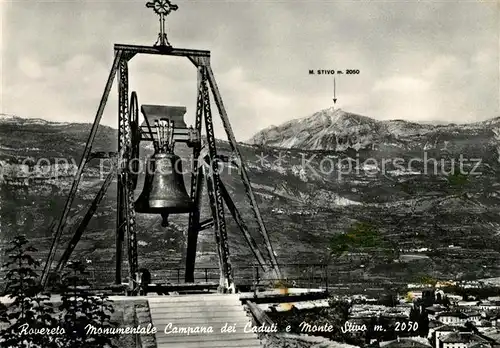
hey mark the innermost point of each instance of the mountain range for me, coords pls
(314, 177)
(336, 130)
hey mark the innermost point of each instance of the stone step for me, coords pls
(189, 305)
(189, 298)
(192, 322)
(194, 319)
(225, 344)
(197, 309)
(230, 343)
(192, 305)
(199, 300)
(200, 321)
(216, 329)
(207, 312)
(185, 314)
(214, 337)
(168, 299)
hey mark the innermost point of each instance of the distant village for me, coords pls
(431, 317)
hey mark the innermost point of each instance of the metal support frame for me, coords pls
(205, 167)
(125, 210)
(121, 221)
(196, 190)
(242, 170)
(214, 193)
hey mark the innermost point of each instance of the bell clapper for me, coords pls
(164, 221)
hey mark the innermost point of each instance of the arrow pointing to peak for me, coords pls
(334, 91)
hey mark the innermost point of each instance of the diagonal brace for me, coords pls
(243, 171)
(241, 224)
(84, 223)
(78, 175)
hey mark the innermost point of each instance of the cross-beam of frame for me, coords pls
(132, 50)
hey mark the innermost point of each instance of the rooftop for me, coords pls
(450, 328)
(452, 314)
(435, 308)
(480, 345)
(405, 343)
(462, 337)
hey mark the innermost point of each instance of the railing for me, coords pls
(295, 275)
(302, 275)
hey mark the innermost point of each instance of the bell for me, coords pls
(164, 191)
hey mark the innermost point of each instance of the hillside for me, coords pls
(314, 178)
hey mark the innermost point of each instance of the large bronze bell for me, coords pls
(164, 191)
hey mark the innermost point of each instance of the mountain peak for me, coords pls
(324, 129)
(335, 129)
(334, 117)
(332, 114)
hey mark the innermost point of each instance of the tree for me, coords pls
(336, 315)
(471, 327)
(82, 312)
(388, 299)
(423, 323)
(370, 332)
(446, 302)
(458, 183)
(414, 313)
(428, 280)
(362, 235)
(409, 297)
(30, 310)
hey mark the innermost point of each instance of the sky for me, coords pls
(417, 60)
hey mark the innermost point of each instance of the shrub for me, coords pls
(82, 312)
(30, 309)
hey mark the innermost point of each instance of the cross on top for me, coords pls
(162, 8)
